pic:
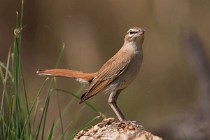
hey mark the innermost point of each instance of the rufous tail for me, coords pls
(80, 76)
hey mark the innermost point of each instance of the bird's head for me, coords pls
(135, 34)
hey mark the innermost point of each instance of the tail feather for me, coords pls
(88, 77)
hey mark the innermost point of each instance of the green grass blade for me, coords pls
(7, 72)
(60, 116)
(44, 113)
(32, 107)
(47, 101)
(50, 137)
(88, 124)
(73, 119)
(67, 107)
(86, 103)
(16, 76)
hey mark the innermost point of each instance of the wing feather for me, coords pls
(108, 73)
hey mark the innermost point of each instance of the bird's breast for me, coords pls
(131, 71)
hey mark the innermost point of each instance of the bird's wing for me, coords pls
(108, 73)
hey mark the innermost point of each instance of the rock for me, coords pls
(111, 129)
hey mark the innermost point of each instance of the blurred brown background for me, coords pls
(93, 31)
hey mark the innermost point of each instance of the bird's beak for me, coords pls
(142, 31)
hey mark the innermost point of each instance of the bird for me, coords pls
(114, 76)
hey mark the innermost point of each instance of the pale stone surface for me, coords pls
(111, 129)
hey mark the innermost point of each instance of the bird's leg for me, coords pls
(113, 104)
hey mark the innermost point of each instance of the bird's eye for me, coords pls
(132, 32)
